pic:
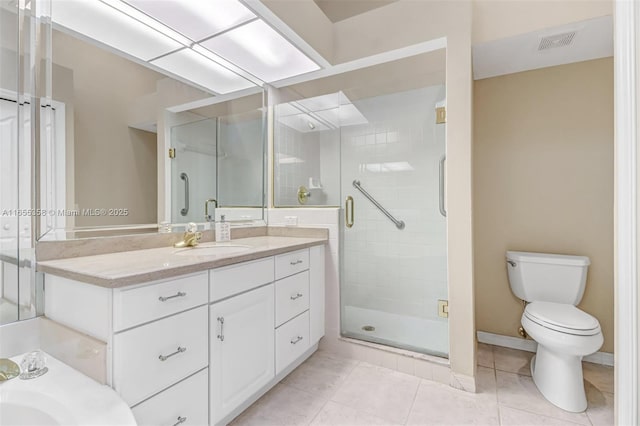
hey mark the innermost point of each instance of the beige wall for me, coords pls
(114, 165)
(543, 181)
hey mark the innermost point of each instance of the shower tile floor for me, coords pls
(329, 390)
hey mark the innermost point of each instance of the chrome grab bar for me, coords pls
(399, 224)
(443, 212)
(185, 178)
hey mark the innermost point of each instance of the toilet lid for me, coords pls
(562, 317)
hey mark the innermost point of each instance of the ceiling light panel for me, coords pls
(196, 19)
(103, 23)
(260, 50)
(303, 123)
(204, 72)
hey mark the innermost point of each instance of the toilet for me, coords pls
(553, 285)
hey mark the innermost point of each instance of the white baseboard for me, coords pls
(603, 358)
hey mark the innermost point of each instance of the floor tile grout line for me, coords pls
(319, 411)
(495, 378)
(413, 402)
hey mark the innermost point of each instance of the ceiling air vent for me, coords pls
(556, 40)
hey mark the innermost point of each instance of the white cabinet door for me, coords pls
(242, 349)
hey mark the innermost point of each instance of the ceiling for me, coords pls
(220, 46)
(339, 10)
(579, 41)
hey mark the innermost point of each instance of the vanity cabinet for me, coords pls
(201, 347)
(186, 403)
(157, 336)
(242, 348)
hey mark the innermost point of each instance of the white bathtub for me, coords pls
(62, 396)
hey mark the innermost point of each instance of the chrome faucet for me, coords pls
(191, 237)
(210, 217)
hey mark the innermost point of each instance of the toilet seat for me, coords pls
(563, 318)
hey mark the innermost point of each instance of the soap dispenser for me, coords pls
(223, 230)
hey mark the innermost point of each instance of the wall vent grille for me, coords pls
(557, 40)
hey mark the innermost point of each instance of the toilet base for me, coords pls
(559, 379)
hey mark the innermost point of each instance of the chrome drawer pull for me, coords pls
(180, 420)
(178, 294)
(221, 335)
(296, 340)
(297, 296)
(297, 262)
(178, 351)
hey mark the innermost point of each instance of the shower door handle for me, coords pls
(348, 211)
(443, 212)
(185, 209)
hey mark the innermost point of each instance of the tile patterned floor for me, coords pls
(329, 390)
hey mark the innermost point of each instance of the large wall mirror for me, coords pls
(141, 136)
(216, 160)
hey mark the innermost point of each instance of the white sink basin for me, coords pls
(212, 250)
(62, 396)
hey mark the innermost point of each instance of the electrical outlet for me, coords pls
(291, 220)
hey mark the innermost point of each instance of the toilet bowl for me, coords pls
(564, 335)
(552, 285)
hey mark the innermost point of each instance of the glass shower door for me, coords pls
(193, 169)
(394, 254)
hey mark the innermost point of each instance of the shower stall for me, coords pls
(381, 160)
(393, 238)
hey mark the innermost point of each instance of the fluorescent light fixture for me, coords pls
(400, 166)
(196, 19)
(288, 159)
(284, 110)
(301, 123)
(320, 103)
(147, 20)
(196, 68)
(350, 115)
(334, 109)
(228, 65)
(107, 25)
(260, 50)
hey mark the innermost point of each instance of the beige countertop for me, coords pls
(121, 269)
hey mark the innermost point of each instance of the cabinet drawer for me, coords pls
(157, 300)
(292, 297)
(188, 400)
(292, 339)
(291, 263)
(235, 279)
(146, 359)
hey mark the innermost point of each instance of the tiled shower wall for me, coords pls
(395, 156)
(304, 155)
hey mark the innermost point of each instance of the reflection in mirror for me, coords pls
(348, 111)
(217, 161)
(112, 131)
(20, 296)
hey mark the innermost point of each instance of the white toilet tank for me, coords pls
(547, 277)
